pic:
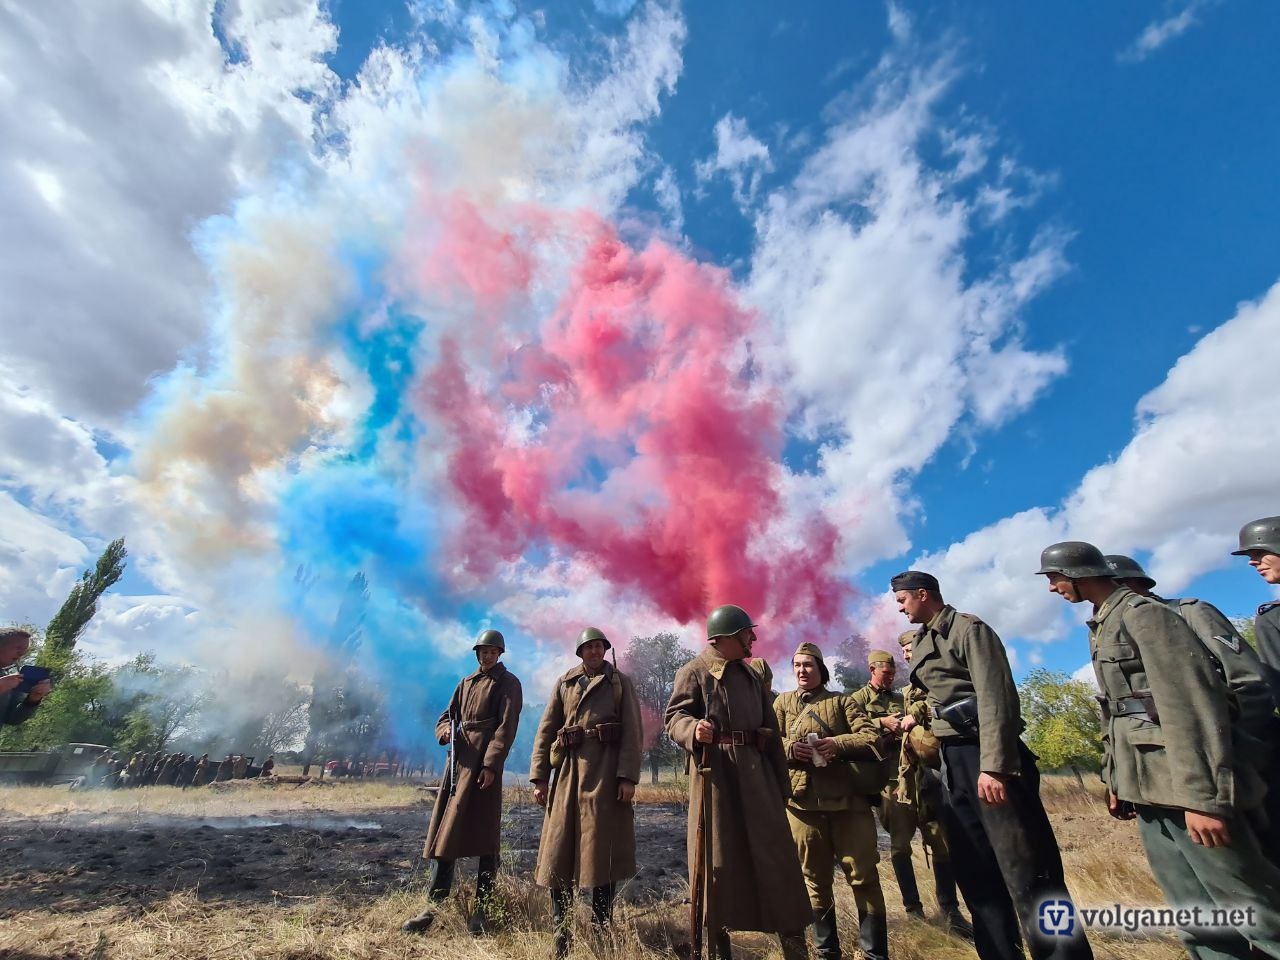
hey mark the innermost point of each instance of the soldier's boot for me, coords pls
(602, 904)
(873, 936)
(794, 946)
(906, 875)
(441, 884)
(723, 949)
(478, 925)
(826, 940)
(562, 920)
(944, 883)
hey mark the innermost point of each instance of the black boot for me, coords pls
(794, 946)
(721, 946)
(441, 884)
(873, 936)
(826, 940)
(478, 925)
(602, 903)
(562, 920)
(906, 875)
(944, 883)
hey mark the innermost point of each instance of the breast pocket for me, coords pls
(1115, 663)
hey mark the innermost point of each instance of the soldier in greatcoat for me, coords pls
(1168, 759)
(584, 770)
(480, 726)
(751, 864)
(830, 821)
(1005, 856)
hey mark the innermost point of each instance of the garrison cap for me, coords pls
(1127, 568)
(914, 580)
(879, 656)
(907, 637)
(811, 650)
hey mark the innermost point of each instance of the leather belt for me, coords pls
(735, 738)
(1127, 706)
(479, 724)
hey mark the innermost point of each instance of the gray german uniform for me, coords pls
(1168, 738)
(1266, 631)
(956, 656)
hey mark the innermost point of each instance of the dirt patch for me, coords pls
(78, 861)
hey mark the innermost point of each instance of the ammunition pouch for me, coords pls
(571, 736)
(764, 736)
(961, 715)
(607, 732)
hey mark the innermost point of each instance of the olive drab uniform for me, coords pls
(1168, 750)
(830, 822)
(1005, 857)
(756, 882)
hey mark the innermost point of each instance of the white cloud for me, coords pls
(1202, 462)
(889, 342)
(1155, 35)
(38, 564)
(740, 156)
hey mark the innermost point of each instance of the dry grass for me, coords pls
(1103, 858)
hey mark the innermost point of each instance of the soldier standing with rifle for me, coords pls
(750, 877)
(1168, 758)
(591, 738)
(830, 822)
(479, 725)
(1005, 855)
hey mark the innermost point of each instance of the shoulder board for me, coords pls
(1186, 601)
(1266, 607)
(1137, 601)
(971, 617)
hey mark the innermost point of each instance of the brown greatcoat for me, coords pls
(755, 879)
(588, 835)
(486, 708)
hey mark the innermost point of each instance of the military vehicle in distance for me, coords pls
(61, 764)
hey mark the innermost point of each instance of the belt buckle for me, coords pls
(739, 738)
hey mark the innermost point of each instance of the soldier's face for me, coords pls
(12, 651)
(487, 656)
(911, 604)
(808, 676)
(737, 646)
(882, 675)
(906, 651)
(1267, 565)
(1064, 587)
(592, 654)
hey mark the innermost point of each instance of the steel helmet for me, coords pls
(1127, 568)
(589, 634)
(726, 621)
(1074, 559)
(1261, 534)
(491, 638)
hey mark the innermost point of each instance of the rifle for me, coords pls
(449, 783)
(700, 894)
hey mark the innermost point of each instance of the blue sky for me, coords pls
(1145, 169)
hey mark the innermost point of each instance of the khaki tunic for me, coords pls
(588, 835)
(486, 707)
(876, 704)
(756, 881)
(955, 656)
(1185, 761)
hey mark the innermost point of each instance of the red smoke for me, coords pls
(656, 452)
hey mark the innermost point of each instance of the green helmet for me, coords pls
(726, 621)
(491, 638)
(1127, 568)
(1261, 534)
(1074, 559)
(589, 634)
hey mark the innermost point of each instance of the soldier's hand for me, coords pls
(801, 751)
(486, 778)
(705, 732)
(10, 683)
(1119, 809)
(39, 692)
(991, 788)
(891, 723)
(826, 748)
(540, 792)
(1208, 830)
(626, 790)
(445, 738)
(908, 722)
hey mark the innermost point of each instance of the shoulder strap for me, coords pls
(809, 712)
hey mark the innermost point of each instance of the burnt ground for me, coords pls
(74, 862)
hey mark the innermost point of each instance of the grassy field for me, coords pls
(1103, 859)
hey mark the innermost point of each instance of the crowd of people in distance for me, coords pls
(110, 772)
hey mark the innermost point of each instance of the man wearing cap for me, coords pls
(719, 710)
(1003, 850)
(829, 821)
(1260, 542)
(17, 706)
(1168, 756)
(591, 739)
(479, 726)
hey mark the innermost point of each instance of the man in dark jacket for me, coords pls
(16, 706)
